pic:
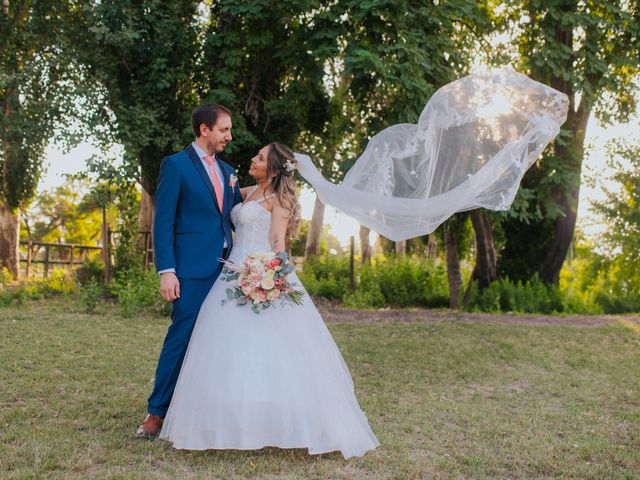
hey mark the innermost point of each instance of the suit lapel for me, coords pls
(197, 163)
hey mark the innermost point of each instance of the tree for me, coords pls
(63, 215)
(37, 78)
(143, 58)
(591, 51)
(621, 211)
(268, 63)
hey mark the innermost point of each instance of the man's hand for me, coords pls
(169, 286)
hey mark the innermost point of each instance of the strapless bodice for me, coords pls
(252, 223)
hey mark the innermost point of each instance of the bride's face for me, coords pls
(259, 166)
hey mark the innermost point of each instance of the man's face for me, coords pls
(218, 136)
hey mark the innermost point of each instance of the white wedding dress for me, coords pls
(275, 378)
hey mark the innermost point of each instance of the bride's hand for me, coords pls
(169, 286)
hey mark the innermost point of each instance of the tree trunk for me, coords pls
(145, 216)
(557, 235)
(10, 240)
(365, 246)
(145, 220)
(453, 266)
(315, 229)
(401, 248)
(432, 246)
(485, 270)
(566, 199)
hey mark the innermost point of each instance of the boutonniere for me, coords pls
(233, 179)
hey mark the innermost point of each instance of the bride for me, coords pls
(271, 379)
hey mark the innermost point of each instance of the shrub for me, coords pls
(400, 281)
(90, 295)
(138, 291)
(368, 293)
(58, 283)
(5, 278)
(611, 303)
(91, 270)
(326, 276)
(503, 295)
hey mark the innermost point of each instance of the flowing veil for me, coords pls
(473, 142)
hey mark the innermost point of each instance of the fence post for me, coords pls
(46, 261)
(105, 245)
(352, 280)
(107, 263)
(28, 260)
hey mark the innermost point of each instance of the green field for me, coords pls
(447, 399)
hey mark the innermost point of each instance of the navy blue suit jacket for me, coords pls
(189, 229)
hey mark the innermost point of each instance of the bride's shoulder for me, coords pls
(244, 191)
(278, 209)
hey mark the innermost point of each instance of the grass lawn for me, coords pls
(446, 400)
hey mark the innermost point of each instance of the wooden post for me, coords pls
(107, 263)
(71, 257)
(105, 245)
(352, 280)
(365, 246)
(46, 261)
(28, 260)
(314, 236)
(147, 249)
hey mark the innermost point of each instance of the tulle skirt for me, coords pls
(275, 378)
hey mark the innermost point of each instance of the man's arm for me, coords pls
(166, 204)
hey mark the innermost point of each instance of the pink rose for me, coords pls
(274, 263)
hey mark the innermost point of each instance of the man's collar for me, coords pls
(201, 153)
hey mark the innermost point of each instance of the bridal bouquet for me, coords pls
(261, 279)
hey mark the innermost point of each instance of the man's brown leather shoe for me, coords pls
(150, 427)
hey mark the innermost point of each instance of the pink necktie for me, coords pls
(215, 180)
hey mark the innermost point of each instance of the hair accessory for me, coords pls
(289, 166)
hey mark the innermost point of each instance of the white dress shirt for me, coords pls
(201, 153)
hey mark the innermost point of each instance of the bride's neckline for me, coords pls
(247, 202)
(259, 203)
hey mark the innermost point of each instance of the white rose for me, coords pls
(267, 283)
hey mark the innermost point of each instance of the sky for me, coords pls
(59, 163)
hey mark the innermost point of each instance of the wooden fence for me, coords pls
(70, 254)
(54, 254)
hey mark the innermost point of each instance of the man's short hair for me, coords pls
(207, 114)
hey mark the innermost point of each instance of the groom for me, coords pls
(192, 230)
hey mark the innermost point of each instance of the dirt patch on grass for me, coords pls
(333, 313)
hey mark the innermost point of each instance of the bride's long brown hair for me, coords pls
(280, 168)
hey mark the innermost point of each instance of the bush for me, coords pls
(138, 292)
(401, 281)
(91, 295)
(91, 270)
(326, 276)
(5, 278)
(504, 295)
(58, 283)
(367, 294)
(611, 303)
